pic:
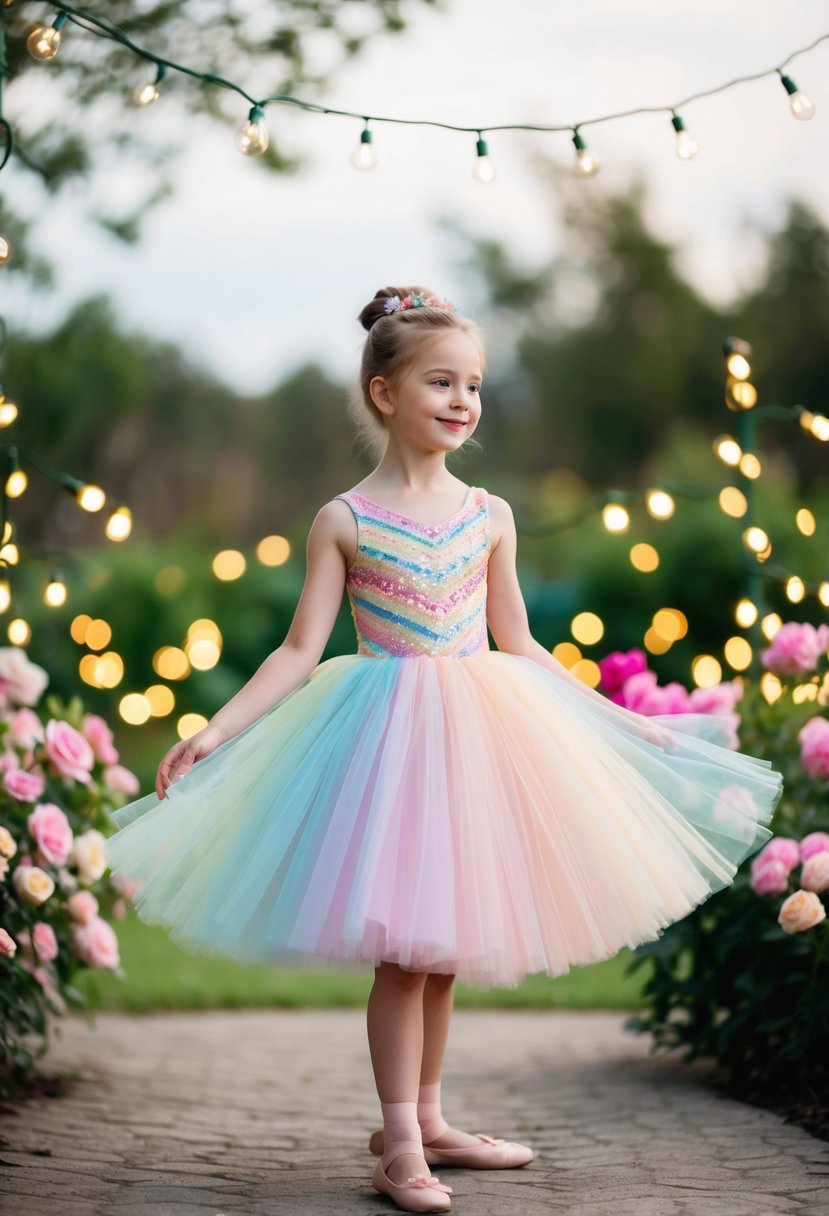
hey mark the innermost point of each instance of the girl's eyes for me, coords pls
(443, 380)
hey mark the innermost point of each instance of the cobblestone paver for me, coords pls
(269, 1112)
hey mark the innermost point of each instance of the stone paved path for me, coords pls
(269, 1112)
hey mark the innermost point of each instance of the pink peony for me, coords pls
(780, 848)
(22, 785)
(81, 907)
(98, 732)
(814, 741)
(51, 832)
(121, 779)
(8, 761)
(620, 666)
(771, 878)
(25, 729)
(644, 696)
(815, 842)
(796, 648)
(45, 942)
(96, 943)
(8, 946)
(815, 873)
(21, 681)
(719, 699)
(802, 910)
(70, 754)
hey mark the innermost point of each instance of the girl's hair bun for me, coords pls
(376, 308)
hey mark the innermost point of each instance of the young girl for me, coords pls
(428, 805)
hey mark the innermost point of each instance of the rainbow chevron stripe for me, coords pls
(419, 589)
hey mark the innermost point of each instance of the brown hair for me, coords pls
(389, 349)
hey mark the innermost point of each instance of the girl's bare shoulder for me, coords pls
(502, 522)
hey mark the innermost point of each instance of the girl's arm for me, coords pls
(508, 623)
(332, 535)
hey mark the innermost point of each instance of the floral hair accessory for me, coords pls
(395, 304)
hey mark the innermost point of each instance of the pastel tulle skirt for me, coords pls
(477, 815)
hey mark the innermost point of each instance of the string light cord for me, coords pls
(256, 143)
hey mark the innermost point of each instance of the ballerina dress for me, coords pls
(439, 804)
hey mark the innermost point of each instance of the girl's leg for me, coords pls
(395, 1034)
(438, 1001)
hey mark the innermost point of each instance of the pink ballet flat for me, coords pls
(417, 1194)
(491, 1155)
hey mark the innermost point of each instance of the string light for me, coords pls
(252, 138)
(5, 251)
(586, 163)
(484, 170)
(145, 94)
(364, 155)
(44, 42)
(799, 103)
(686, 147)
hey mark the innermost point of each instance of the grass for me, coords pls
(160, 975)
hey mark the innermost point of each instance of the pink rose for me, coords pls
(22, 785)
(815, 873)
(8, 761)
(21, 681)
(779, 848)
(44, 941)
(70, 754)
(81, 907)
(98, 732)
(796, 648)
(51, 831)
(8, 946)
(25, 729)
(128, 887)
(119, 909)
(771, 878)
(801, 911)
(620, 666)
(121, 779)
(95, 942)
(815, 842)
(814, 740)
(44, 979)
(719, 699)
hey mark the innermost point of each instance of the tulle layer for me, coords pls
(480, 816)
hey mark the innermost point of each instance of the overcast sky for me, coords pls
(253, 273)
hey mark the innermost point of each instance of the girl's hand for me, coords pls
(182, 756)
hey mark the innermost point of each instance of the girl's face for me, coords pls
(436, 404)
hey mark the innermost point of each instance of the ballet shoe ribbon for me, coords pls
(421, 1182)
(489, 1139)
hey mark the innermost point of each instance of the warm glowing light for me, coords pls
(43, 43)
(706, 671)
(10, 555)
(655, 643)
(567, 653)
(644, 557)
(770, 686)
(745, 613)
(273, 550)
(16, 483)
(805, 521)
(171, 663)
(615, 517)
(160, 699)
(587, 628)
(229, 564)
(744, 393)
(5, 594)
(750, 465)
(804, 692)
(820, 427)
(19, 632)
(134, 708)
(102, 670)
(733, 501)
(738, 366)
(756, 539)
(660, 504)
(203, 654)
(727, 449)
(795, 588)
(119, 524)
(78, 627)
(188, 724)
(670, 624)
(97, 634)
(55, 593)
(770, 624)
(823, 593)
(91, 498)
(8, 409)
(737, 653)
(588, 672)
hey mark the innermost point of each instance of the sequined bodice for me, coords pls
(417, 588)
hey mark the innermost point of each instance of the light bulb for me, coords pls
(364, 155)
(43, 43)
(145, 94)
(799, 104)
(252, 138)
(686, 147)
(5, 251)
(484, 170)
(586, 163)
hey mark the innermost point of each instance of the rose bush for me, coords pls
(745, 977)
(60, 778)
